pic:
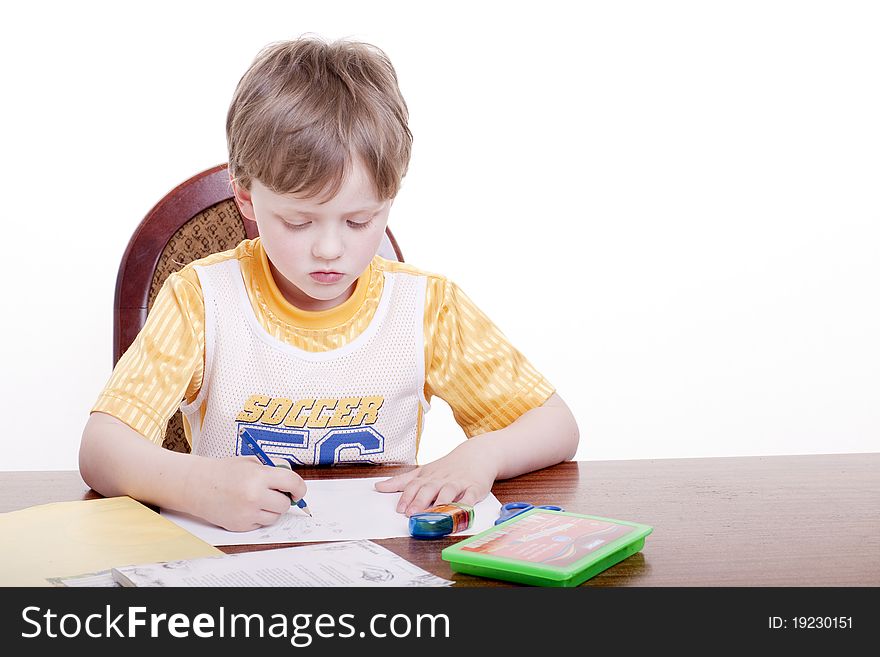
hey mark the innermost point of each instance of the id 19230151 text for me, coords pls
(810, 623)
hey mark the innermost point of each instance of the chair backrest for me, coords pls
(195, 219)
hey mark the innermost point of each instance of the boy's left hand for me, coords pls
(464, 475)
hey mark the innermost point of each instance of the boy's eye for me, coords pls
(291, 226)
(359, 225)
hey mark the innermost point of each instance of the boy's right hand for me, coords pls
(239, 493)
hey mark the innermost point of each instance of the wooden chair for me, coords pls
(195, 219)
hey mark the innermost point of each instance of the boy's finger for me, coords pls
(397, 482)
(423, 499)
(276, 501)
(471, 496)
(265, 518)
(406, 497)
(448, 493)
(285, 480)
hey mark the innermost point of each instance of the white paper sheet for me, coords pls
(348, 563)
(90, 580)
(342, 510)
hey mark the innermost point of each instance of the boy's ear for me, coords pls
(243, 200)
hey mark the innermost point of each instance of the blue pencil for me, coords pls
(265, 460)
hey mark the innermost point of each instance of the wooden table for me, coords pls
(749, 521)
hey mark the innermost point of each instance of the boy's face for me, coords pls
(317, 250)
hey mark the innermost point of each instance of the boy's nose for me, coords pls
(328, 246)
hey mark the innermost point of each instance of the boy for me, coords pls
(323, 351)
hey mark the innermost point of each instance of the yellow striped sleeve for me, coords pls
(485, 380)
(165, 362)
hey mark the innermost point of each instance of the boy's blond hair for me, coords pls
(305, 108)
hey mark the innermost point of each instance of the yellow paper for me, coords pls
(71, 538)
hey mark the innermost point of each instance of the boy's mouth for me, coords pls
(326, 277)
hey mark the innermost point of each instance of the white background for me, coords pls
(670, 207)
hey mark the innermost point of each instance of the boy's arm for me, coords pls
(238, 493)
(541, 437)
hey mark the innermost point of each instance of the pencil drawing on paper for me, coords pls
(295, 526)
(375, 573)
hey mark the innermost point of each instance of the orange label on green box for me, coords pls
(549, 538)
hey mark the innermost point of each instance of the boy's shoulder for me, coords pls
(243, 250)
(395, 267)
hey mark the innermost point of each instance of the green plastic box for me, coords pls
(547, 548)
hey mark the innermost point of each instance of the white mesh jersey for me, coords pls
(362, 402)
